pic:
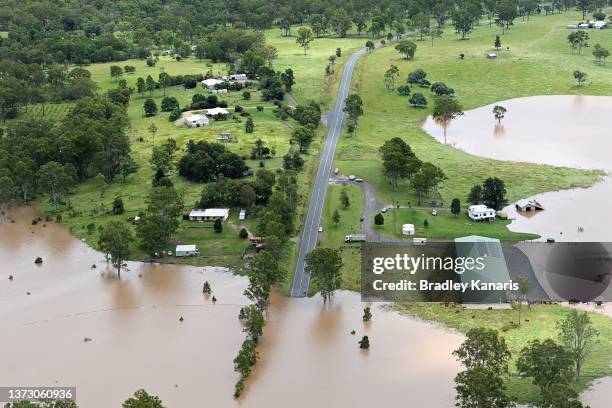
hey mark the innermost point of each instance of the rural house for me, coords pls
(524, 205)
(209, 214)
(196, 120)
(481, 212)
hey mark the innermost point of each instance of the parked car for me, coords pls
(358, 180)
(351, 177)
(434, 212)
(320, 229)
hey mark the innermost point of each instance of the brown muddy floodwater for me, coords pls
(560, 130)
(308, 356)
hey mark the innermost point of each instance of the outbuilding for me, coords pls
(217, 111)
(481, 212)
(211, 82)
(243, 214)
(196, 120)
(408, 229)
(209, 214)
(186, 250)
(524, 205)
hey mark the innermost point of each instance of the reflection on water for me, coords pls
(557, 130)
(570, 131)
(308, 355)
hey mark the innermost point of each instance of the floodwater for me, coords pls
(559, 130)
(135, 339)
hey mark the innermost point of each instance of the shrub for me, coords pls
(260, 108)
(218, 226)
(243, 234)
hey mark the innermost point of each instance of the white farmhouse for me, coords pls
(186, 250)
(240, 78)
(209, 214)
(481, 212)
(196, 120)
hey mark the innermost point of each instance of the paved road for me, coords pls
(310, 234)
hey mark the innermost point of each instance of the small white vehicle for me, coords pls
(336, 171)
(359, 180)
(320, 229)
(384, 210)
(351, 177)
(434, 212)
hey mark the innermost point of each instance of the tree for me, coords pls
(243, 233)
(24, 175)
(524, 287)
(164, 206)
(56, 179)
(506, 13)
(379, 219)
(418, 77)
(364, 343)
(367, 314)
(169, 103)
(421, 23)
(398, 160)
(150, 84)
(353, 106)
(142, 399)
(440, 88)
(577, 334)
(445, 110)
(253, 321)
(499, 112)
(246, 95)
(249, 127)
(600, 54)
(141, 85)
(434, 33)
(150, 107)
(288, 79)
(336, 217)
(485, 356)
(118, 208)
(580, 77)
(303, 136)
(497, 42)
(323, 265)
(547, 362)
(344, 199)
(304, 38)
(494, 193)
(463, 21)
(417, 100)
(116, 72)
(475, 195)
(218, 226)
(403, 90)
(426, 179)
(340, 21)
(246, 358)
(584, 6)
(390, 75)
(406, 47)
(578, 39)
(115, 240)
(370, 45)
(455, 206)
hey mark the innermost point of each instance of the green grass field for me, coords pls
(537, 323)
(445, 225)
(537, 62)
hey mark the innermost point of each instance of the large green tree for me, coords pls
(577, 334)
(446, 108)
(323, 265)
(116, 241)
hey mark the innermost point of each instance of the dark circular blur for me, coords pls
(579, 271)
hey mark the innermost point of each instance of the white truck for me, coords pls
(355, 238)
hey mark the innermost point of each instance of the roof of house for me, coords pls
(183, 248)
(196, 117)
(209, 212)
(479, 207)
(211, 82)
(524, 202)
(217, 111)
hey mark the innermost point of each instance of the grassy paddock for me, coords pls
(445, 225)
(537, 323)
(539, 62)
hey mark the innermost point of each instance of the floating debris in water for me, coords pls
(181, 319)
(214, 299)
(87, 339)
(38, 260)
(10, 277)
(28, 293)
(353, 332)
(93, 266)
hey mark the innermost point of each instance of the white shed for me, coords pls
(217, 111)
(242, 215)
(241, 78)
(196, 120)
(408, 229)
(211, 82)
(186, 250)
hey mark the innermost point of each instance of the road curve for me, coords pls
(335, 122)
